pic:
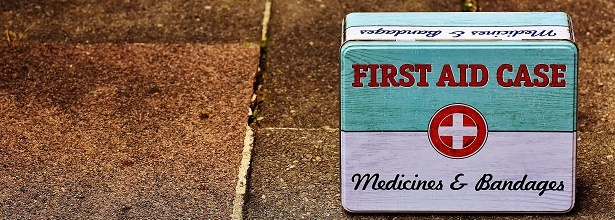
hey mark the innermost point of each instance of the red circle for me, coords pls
(471, 118)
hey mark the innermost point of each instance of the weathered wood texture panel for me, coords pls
(410, 108)
(506, 155)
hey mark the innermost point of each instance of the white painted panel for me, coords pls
(506, 155)
(412, 33)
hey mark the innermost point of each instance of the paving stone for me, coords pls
(133, 21)
(295, 174)
(122, 131)
(300, 83)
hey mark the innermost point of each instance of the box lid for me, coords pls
(413, 26)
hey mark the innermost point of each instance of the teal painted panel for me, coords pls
(449, 19)
(505, 109)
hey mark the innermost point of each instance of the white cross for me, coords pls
(457, 131)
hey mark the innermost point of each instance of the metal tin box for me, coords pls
(458, 112)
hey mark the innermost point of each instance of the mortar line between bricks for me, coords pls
(248, 142)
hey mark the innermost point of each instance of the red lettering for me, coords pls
(540, 71)
(484, 73)
(462, 75)
(423, 69)
(372, 70)
(446, 75)
(359, 72)
(405, 70)
(556, 75)
(500, 75)
(523, 75)
(388, 75)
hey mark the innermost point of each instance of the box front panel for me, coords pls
(458, 126)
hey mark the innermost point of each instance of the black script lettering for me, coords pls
(486, 183)
(398, 183)
(439, 186)
(368, 178)
(391, 183)
(483, 183)
(457, 185)
(433, 33)
(560, 187)
(457, 33)
(519, 184)
(542, 185)
(381, 185)
(496, 185)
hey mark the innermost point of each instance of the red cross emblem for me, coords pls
(457, 131)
